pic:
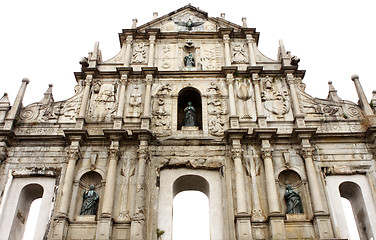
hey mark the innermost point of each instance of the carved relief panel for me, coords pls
(275, 97)
(133, 107)
(245, 95)
(167, 56)
(103, 104)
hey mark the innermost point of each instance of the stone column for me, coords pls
(118, 122)
(128, 49)
(322, 222)
(147, 102)
(16, 105)
(231, 93)
(237, 155)
(85, 100)
(226, 40)
(151, 50)
(138, 228)
(276, 219)
(362, 97)
(299, 117)
(104, 228)
(261, 119)
(251, 50)
(242, 217)
(61, 226)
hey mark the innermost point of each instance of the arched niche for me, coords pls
(352, 192)
(87, 179)
(189, 94)
(292, 178)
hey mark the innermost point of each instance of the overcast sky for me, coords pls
(45, 40)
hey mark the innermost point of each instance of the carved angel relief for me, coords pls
(275, 99)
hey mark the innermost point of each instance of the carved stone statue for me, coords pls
(293, 201)
(190, 119)
(189, 61)
(89, 202)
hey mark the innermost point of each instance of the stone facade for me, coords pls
(123, 132)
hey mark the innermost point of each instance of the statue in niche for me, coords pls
(139, 54)
(190, 119)
(89, 202)
(189, 61)
(238, 55)
(293, 201)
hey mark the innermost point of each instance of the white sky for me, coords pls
(45, 40)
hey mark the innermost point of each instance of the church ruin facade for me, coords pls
(189, 103)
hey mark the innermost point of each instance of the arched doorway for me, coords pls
(187, 95)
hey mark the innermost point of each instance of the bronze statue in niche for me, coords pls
(293, 201)
(190, 119)
(89, 202)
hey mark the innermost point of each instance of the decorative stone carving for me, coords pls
(161, 119)
(238, 53)
(97, 86)
(244, 93)
(209, 57)
(345, 169)
(104, 105)
(197, 163)
(275, 99)
(216, 125)
(189, 24)
(266, 152)
(139, 53)
(213, 89)
(165, 89)
(237, 153)
(134, 109)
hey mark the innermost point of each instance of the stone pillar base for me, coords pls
(60, 230)
(80, 122)
(137, 230)
(323, 226)
(243, 227)
(277, 227)
(234, 122)
(118, 122)
(145, 122)
(104, 229)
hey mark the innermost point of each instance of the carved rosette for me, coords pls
(266, 153)
(237, 153)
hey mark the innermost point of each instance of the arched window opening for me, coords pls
(32, 219)
(185, 96)
(352, 192)
(28, 194)
(191, 216)
(350, 220)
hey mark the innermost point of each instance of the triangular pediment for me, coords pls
(189, 19)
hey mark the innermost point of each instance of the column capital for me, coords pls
(250, 39)
(143, 153)
(113, 154)
(88, 80)
(129, 39)
(266, 152)
(306, 152)
(237, 153)
(73, 154)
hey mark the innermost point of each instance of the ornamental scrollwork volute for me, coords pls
(266, 152)
(113, 154)
(237, 153)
